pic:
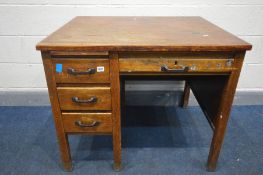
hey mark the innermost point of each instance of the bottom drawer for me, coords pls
(87, 122)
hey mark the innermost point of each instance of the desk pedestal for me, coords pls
(86, 91)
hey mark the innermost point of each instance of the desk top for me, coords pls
(142, 34)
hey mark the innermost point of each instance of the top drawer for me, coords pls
(81, 70)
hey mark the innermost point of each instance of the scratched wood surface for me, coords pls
(142, 34)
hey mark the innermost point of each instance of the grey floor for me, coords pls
(155, 139)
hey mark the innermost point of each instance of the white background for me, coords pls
(24, 23)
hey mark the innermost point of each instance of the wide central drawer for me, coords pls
(84, 98)
(175, 62)
(170, 65)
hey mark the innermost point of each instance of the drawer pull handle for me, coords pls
(84, 125)
(90, 100)
(87, 72)
(164, 68)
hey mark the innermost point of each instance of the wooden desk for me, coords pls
(84, 60)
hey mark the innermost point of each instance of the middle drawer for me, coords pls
(84, 98)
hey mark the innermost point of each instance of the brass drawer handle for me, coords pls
(84, 125)
(87, 72)
(164, 68)
(90, 100)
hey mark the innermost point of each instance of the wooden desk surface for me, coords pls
(142, 34)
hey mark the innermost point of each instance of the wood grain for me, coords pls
(58, 54)
(61, 135)
(142, 34)
(154, 65)
(116, 107)
(104, 122)
(103, 95)
(81, 65)
(224, 112)
(181, 54)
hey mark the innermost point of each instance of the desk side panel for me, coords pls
(208, 92)
(61, 135)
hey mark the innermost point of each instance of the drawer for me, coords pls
(173, 65)
(81, 70)
(84, 98)
(87, 122)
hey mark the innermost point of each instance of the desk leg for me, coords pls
(116, 115)
(215, 95)
(185, 98)
(123, 97)
(62, 136)
(223, 114)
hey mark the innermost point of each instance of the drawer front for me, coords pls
(87, 122)
(84, 98)
(170, 65)
(81, 70)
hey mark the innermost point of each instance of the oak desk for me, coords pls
(85, 59)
